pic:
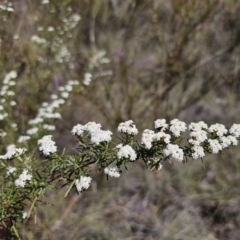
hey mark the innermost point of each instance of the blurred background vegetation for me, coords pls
(168, 59)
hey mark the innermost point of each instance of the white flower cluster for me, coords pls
(71, 22)
(38, 40)
(87, 78)
(161, 124)
(177, 126)
(235, 130)
(174, 151)
(199, 136)
(149, 136)
(6, 92)
(218, 129)
(7, 8)
(94, 129)
(83, 183)
(10, 170)
(112, 171)
(12, 151)
(23, 178)
(126, 152)
(47, 145)
(128, 127)
(97, 59)
(49, 110)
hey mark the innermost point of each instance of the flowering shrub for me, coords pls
(22, 182)
(116, 53)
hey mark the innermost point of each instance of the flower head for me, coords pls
(47, 145)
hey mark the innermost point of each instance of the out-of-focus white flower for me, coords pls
(47, 145)
(38, 40)
(10, 170)
(32, 131)
(45, 1)
(112, 171)
(3, 134)
(23, 178)
(126, 152)
(83, 183)
(13, 103)
(12, 151)
(50, 28)
(65, 94)
(24, 214)
(22, 139)
(235, 130)
(128, 127)
(174, 151)
(35, 121)
(161, 124)
(87, 78)
(177, 126)
(49, 127)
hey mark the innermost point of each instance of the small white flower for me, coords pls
(13, 103)
(161, 136)
(35, 121)
(112, 171)
(174, 151)
(92, 127)
(12, 151)
(176, 127)
(148, 137)
(198, 152)
(22, 139)
(32, 131)
(50, 28)
(128, 127)
(3, 134)
(10, 170)
(101, 136)
(197, 137)
(87, 79)
(198, 126)
(47, 145)
(49, 127)
(161, 124)
(24, 214)
(217, 128)
(225, 142)
(78, 130)
(21, 180)
(65, 94)
(126, 152)
(235, 130)
(233, 140)
(214, 145)
(83, 183)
